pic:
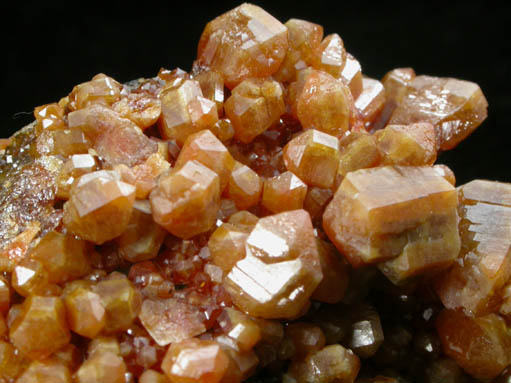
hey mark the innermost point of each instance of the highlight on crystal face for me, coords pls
(274, 213)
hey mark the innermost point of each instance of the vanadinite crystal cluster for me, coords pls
(270, 215)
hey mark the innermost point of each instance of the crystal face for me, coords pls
(274, 213)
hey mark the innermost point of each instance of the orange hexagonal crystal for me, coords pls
(481, 346)
(330, 56)
(351, 75)
(304, 37)
(284, 192)
(212, 86)
(49, 117)
(41, 328)
(142, 108)
(370, 102)
(29, 277)
(475, 283)
(244, 187)
(227, 246)
(254, 105)
(205, 148)
(195, 361)
(314, 157)
(85, 313)
(405, 214)
(46, 372)
(64, 256)
(102, 89)
(121, 301)
(240, 327)
(244, 42)
(324, 104)
(186, 200)
(74, 168)
(102, 367)
(142, 238)
(62, 142)
(281, 268)
(99, 207)
(185, 111)
(455, 107)
(411, 145)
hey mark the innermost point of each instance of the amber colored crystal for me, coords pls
(5, 295)
(85, 313)
(121, 301)
(75, 167)
(351, 75)
(49, 117)
(324, 104)
(405, 214)
(186, 200)
(240, 327)
(169, 320)
(152, 376)
(185, 111)
(410, 145)
(475, 282)
(3, 326)
(316, 201)
(45, 372)
(127, 145)
(366, 334)
(370, 102)
(64, 256)
(242, 365)
(284, 192)
(144, 176)
(455, 107)
(212, 86)
(99, 207)
(142, 238)
(102, 367)
(100, 90)
(141, 108)
(195, 361)
(335, 274)
(41, 327)
(281, 269)
(331, 364)
(244, 42)
(243, 220)
(254, 105)
(205, 148)
(29, 277)
(102, 344)
(447, 173)
(227, 246)
(314, 157)
(62, 142)
(444, 370)
(12, 363)
(244, 187)
(304, 38)
(223, 129)
(306, 338)
(358, 150)
(481, 346)
(330, 56)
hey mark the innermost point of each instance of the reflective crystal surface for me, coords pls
(283, 192)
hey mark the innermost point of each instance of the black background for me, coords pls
(50, 47)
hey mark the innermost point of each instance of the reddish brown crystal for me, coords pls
(186, 200)
(244, 42)
(29, 277)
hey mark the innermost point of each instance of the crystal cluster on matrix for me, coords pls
(273, 213)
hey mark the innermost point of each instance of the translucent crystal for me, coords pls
(351, 75)
(5, 295)
(244, 42)
(100, 90)
(240, 327)
(284, 192)
(314, 157)
(371, 100)
(212, 86)
(330, 56)
(244, 187)
(205, 148)
(29, 277)
(152, 376)
(12, 363)
(102, 367)
(49, 117)
(281, 268)
(45, 372)
(254, 105)
(227, 246)
(185, 111)
(455, 107)
(476, 280)
(481, 346)
(85, 313)
(195, 361)
(324, 104)
(366, 334)
(186, 200)
(62, 142)
(100, 206)
(306, 338)
(141, 108)
(405, 214)
(316, 201)
(41, 327)
(74, 168)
